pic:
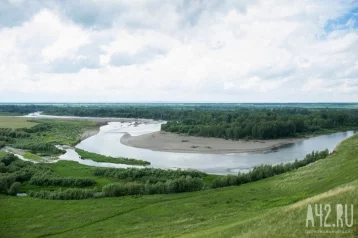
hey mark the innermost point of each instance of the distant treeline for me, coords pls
(222, 121)
(265, 171)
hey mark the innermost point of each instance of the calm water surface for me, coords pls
(107, 142)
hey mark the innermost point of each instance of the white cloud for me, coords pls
(182, 51)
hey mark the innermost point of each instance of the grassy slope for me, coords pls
(250, 210)
(15, 122)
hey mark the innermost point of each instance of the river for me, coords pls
(107, 142)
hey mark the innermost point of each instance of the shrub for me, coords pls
(14, 189)
(179, 185)
(47, 180)
(6, 180)
(266, 171)
(146, 174)
(8, 159)
(68, 194)
(117, 189)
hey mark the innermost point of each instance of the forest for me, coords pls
(227, 121)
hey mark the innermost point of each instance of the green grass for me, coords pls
(69, 169)
(2, 154)
(66, 132)
(268, 208)
(10, 114)
(76, 170)
(116, 160)
(15, 122)
(33, 157)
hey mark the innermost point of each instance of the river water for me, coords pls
(107, 142)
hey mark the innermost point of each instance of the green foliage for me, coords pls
(274, 207)
(265, 171)
(117, 189)
(151, 175)
(2, 144)
(179, 185)
(42, 138)
(229, 121)
(102, 158)
(14, 188)
(46, 180)
(32, 157)
(8, 159)
(14, 171)
(67, 194)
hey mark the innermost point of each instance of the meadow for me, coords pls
(15, 122)
(273, 207)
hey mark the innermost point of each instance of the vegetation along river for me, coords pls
(107, 142)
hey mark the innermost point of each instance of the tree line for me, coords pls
(146, 175)
(227, 121)
(179, 185)
(265, 171)
(46, 180)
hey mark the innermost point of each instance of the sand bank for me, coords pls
(165, 141)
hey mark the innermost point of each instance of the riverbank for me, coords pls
(170, 142)
(275, 202)
(89, 132)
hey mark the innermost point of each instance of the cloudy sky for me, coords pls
(178, 50)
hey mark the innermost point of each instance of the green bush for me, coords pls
(179, 185)
(14, 188)
(67, 194)
(146, 174)
(266, 171)
(46, 180)
(117, 189)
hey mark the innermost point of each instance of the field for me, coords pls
(274, 207)
(33, 157)
(15, 122)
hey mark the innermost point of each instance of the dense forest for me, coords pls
(227, 121)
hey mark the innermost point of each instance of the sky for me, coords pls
(178, 51)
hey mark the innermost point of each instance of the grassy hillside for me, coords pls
(274, 207)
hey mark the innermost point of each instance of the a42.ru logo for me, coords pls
(323, 215)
